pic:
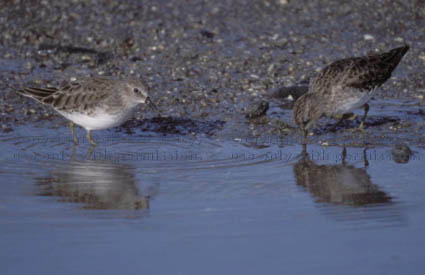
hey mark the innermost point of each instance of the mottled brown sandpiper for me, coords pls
(345, 85)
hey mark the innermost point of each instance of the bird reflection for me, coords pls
(338, 184)
(96, 184)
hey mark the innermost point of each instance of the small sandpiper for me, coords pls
(93, 103)
(345, 85)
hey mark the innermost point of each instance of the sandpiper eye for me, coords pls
(136, 90)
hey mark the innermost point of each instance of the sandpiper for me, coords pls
(93, 103)
(345, 85)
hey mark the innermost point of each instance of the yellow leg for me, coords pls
(90, 151)
(89, 138)
(366, 110)
(73, 152)
(74, 138)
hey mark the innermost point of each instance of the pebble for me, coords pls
(257, 109)
(401, 153)
(368, 37)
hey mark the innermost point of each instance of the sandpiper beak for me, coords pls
(151, 104)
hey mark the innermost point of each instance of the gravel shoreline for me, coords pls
(210, 61)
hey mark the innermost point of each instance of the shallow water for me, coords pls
(176, 205)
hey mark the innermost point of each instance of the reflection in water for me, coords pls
(338, 184)
(97, 184)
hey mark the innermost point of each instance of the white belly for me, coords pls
(99, 120)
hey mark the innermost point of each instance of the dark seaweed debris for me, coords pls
(101, 57)
(355, 123)
(172, 125)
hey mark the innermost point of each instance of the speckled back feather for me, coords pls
(364, 73)
(73, 96)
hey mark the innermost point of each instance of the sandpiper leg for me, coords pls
(89, 138)
(71, 125)
(90, 151)
(366, 162)
(305, 137)
(304, 151)
(73, 152)
(366, 109)
(344, 155)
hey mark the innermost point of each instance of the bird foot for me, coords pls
(75, 140)
(92, 142)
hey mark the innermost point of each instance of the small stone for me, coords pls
(257, 109)
(86, 58)
(8, 108)
(294, 91)
(6, 128)
(207, 34)
(401, 153)
(368, 37)
(28, 66)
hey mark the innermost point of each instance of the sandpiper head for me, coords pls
(307, 111)
(137, 90)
